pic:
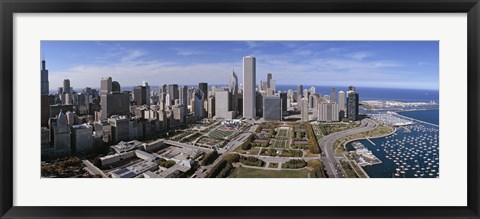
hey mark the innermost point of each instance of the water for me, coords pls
(431, 116)
(414, 150)
(417, 147)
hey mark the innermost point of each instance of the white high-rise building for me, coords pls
(105, 85)
(249, 97)
(328, 112)
(273, 85)
(167, 100)
(304, 109)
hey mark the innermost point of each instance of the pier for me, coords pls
(368, 139)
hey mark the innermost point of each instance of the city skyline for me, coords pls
(408, 65)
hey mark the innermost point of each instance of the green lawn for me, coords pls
(280, 143)
(252, 151)
(244, 172)
(282, 133)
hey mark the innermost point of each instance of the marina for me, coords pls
(362, 155)
(411, 152)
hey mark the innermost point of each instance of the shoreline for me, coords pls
(356, 139)
(395, 129)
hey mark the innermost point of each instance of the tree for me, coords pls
(312, 140)
(217, 169)
(232, 158)
(246, 146)
(225, 171)
(209, 158)
(251, 161)
(294, 164)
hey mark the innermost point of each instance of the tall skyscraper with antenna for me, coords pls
(44, 78)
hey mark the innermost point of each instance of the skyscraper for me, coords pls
(106, 85)
(141, 94)
(284, 98)
(168, 101)
(211, 107)
(173, 91)
(138, 95)
(147, 90)
(273, 85)
(115, 104)
(233, 88)
(112, 103)
(45, 104)
(82, 138)
(352, 104)
(304, 109)
(341, 104)
(333, 97)
(198, 104)
(66, 86)
(163, 89)
(222, 105)
(116, 87)
(203, 88)
(44, 79)
(61, 139)
(272, 108)
(269, 79)
(249, 80)
(299, 92)
(327, 112)
(66, 95)
(183, 99)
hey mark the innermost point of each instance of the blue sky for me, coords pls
(394, 64)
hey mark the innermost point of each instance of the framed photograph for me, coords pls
(201, 109)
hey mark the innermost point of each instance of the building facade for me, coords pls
(272, 108)
(328, 112)
(249, 84)
(352, 104)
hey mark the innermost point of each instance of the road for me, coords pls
(184, 145)
(235, 142)
(326, 144)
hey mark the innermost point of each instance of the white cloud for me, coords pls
(134, 54)
(188, 51)
(154, 72)
(359, 55)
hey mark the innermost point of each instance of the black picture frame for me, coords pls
(9, 7)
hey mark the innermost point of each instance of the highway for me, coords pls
(326, 144)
